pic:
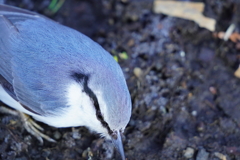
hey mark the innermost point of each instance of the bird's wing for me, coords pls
(26, 62)
(15, 14)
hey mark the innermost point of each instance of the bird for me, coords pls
(61, 77)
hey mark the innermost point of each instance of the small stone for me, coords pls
(87, 153)
(131, 42)
(201, 127)
(213, 90)
(28, 140)
(76, 134)
(188, 153)
(182, 54)
(194, 113)
(137, 72)
(202, 155)
(57, 135)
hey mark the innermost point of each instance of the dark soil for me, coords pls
(185, 96)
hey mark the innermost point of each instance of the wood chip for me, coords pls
(237, 73)
(186, 10)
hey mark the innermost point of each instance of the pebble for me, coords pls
(182, 53)
(200, 127)
(189, 152)
(137, 72)
(202, 154)
(57, 135)
(194, 113)
(213, 90)
(76, 134)
(131, 42)
(87, 154)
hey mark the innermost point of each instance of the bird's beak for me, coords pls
(117, 140)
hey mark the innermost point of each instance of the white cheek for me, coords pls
(81, 109)
(77, 98)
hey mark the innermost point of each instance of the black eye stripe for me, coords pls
(83, 79)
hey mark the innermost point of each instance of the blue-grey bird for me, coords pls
(59, 76)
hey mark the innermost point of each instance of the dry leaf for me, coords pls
(237, 73)
(186, 10)
(234, 37)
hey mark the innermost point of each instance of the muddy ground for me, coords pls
(185, 96)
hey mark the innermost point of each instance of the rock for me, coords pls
(188, 153)
(57, 135)
(202, 154)
(76, 134)
(137, 72)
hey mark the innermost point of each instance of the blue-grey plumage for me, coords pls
(60, 76)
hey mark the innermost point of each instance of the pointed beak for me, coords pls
(117, 140)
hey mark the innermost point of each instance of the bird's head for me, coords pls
(103, 103)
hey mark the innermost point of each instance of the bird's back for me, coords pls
(38, 56)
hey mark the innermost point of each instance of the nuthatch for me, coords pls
(60, 77)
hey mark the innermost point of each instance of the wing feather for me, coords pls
(24, 61)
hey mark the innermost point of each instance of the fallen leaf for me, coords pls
(186, 10)
(116, 58)
(234, 37)
(123, 55)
